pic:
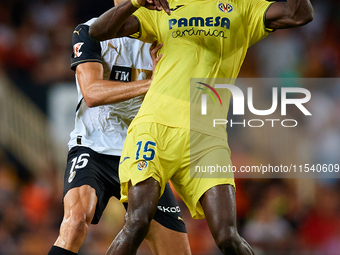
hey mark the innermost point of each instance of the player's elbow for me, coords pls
(301, 21)
(309, 17)
(91, 101)
(303, 18)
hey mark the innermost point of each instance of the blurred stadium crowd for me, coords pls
(277, 216)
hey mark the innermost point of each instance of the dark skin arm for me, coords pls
(118, 22)
(293, 13)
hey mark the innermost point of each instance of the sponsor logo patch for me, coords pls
(71, 177)
(121, 73)
(76, 49)
(178, 6)
(169, 209)
(225, 7)
(77, 32)
(142, 165)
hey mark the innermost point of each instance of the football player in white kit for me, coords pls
(112, 78)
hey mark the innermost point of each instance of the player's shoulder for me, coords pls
(83, 28)
(82, 32)
(89, 22)
(85, 48)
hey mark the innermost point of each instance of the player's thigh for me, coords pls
(169, 213)
(223, 198)
(165, 241)
(194, 180)
(166, 225)
(90, 180)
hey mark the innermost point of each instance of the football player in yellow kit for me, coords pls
(201, 39)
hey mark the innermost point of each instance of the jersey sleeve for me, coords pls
(85, 48)
(147, 25)
(256, 20)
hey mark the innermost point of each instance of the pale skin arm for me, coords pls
(97, 91)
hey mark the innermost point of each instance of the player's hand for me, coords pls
(153, 52)
(156, 5)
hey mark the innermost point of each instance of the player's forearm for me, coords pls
(293, 13)
(103, 92)
(111, 24)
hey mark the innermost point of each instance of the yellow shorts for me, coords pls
(166, 153)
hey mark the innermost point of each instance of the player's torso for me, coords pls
(104, 128)
(126, 60)
(207, 35)
(202, 38)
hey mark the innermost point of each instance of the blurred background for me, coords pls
(37, 107)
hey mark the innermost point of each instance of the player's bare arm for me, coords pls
(118, 22)
(293, 13)
(97, 91)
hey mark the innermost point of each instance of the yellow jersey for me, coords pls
(201, 39)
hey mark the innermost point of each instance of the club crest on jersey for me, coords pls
(225, 7)
(142, 165)
(71, 177)
(76, 49)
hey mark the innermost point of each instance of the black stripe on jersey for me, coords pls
(79, 104)
(85, 48)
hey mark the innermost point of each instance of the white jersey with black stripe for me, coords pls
(103, 128)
